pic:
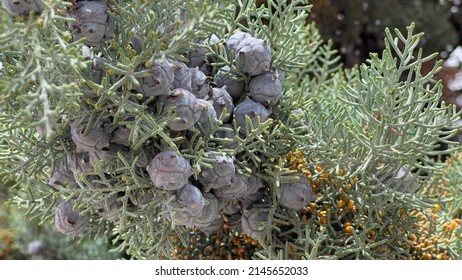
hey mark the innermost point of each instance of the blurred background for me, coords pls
(24, 238)
(356, 28)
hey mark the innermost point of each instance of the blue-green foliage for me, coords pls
(378, 115)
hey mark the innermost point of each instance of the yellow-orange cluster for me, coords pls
(438, 230)
(6, 235)
(6, 242)
(421, 247)
(432, 244)
(224, 245)
(320, 176)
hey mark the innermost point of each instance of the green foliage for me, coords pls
(370, 121)
(383, 114)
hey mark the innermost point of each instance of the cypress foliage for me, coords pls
(84, 124)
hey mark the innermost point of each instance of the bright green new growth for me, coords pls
(383, 113)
